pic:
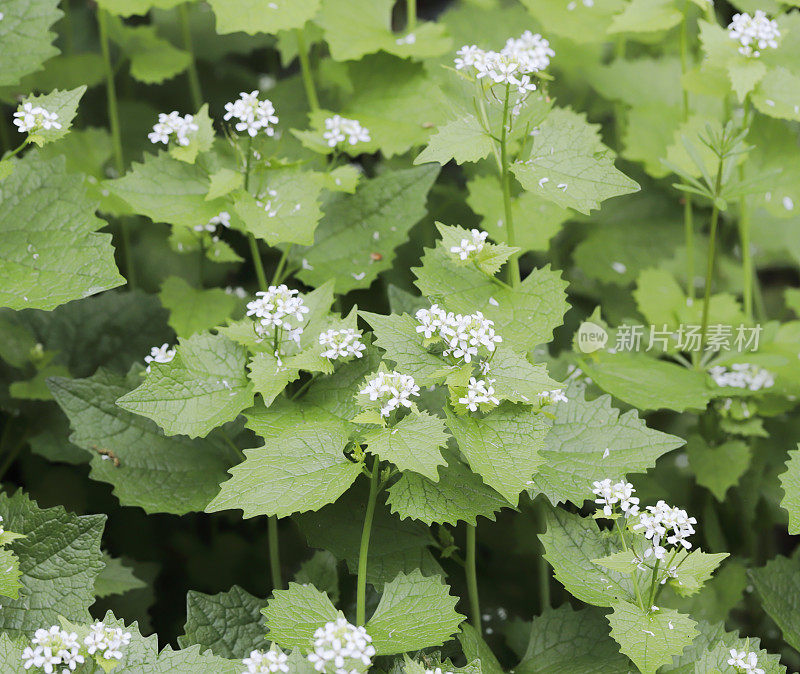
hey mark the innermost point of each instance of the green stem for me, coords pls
(472, 579)
(505, 186)
(712, 240)
(544, 571)
(257, 263)
(194, 79)
(688, 223)
(748, 273)
(274, 553)
(18, 149)
(305, 68)
(116, 137)
(277, 277)
(363, 551)
(411, 14)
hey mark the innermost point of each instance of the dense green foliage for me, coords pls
(469, 341)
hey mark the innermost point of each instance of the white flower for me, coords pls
(755, 30)
(550, 397)
(236, 291)
(160, 354)
(392, 389)
(664, 520)
(341, 343)
(276, 307)
(341, 648)
(107, 641)
(53, 646)
(742, 375)
(464, 334)
(521, 56)
(606, 497)
(29, 117)
(252, 114)
(222, 218)
(744, 662)
(469, 247)
(479, 391)
(173, 123)
(339, 129)
(438, 670)
(259, 662)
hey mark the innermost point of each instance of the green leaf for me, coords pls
(153, 59)
(62, 103)
(536, 220)
(397, 335)
(745, 74)
(694, 569)
(229, 623)
(778, 94)
(193, 310)
(489, 259)
(25, 37)
(51, 252)
(373, 222)
(354, 28)
(199, 141)
(650, 639)
(59, 558)
(116, 578)
(299, 468)
(157, 473)
(502, 446)
(516, 379)
(571, 544)
(566, 641)
(589, 441)
(790, 483)
(458, 494)
(167, 190)
(268, 376)
(646, 16)
(290, 210)
(294, 615)
(718, 468)
(578, 23)
(320, 571)
(413, 444)
(223, 182)
(476, 649)
(414, 612)
(647, 383)
(524, 316)
(203, 387)
(10, 583)
(579, 169)
(778, 584)
(254, 16)
(462, 139)
(395, 546)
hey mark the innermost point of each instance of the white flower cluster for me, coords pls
(107, 641)
(512, 65)
(260, 662)
(663, 520)
(341, 648)
(394, 390)
(479, 391)
(551, 397)
(610, 494)
(29, 117)
(742, 375)
(222, 218)
(469, 247)
(252, 114)
(56, 646)
(340, 129)
(756, 30)
(276, 308)
(53, 647)
(464, 334)
(160, 354)
(742, 661)
(2, 528)
(173, 123)
(341, 343)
